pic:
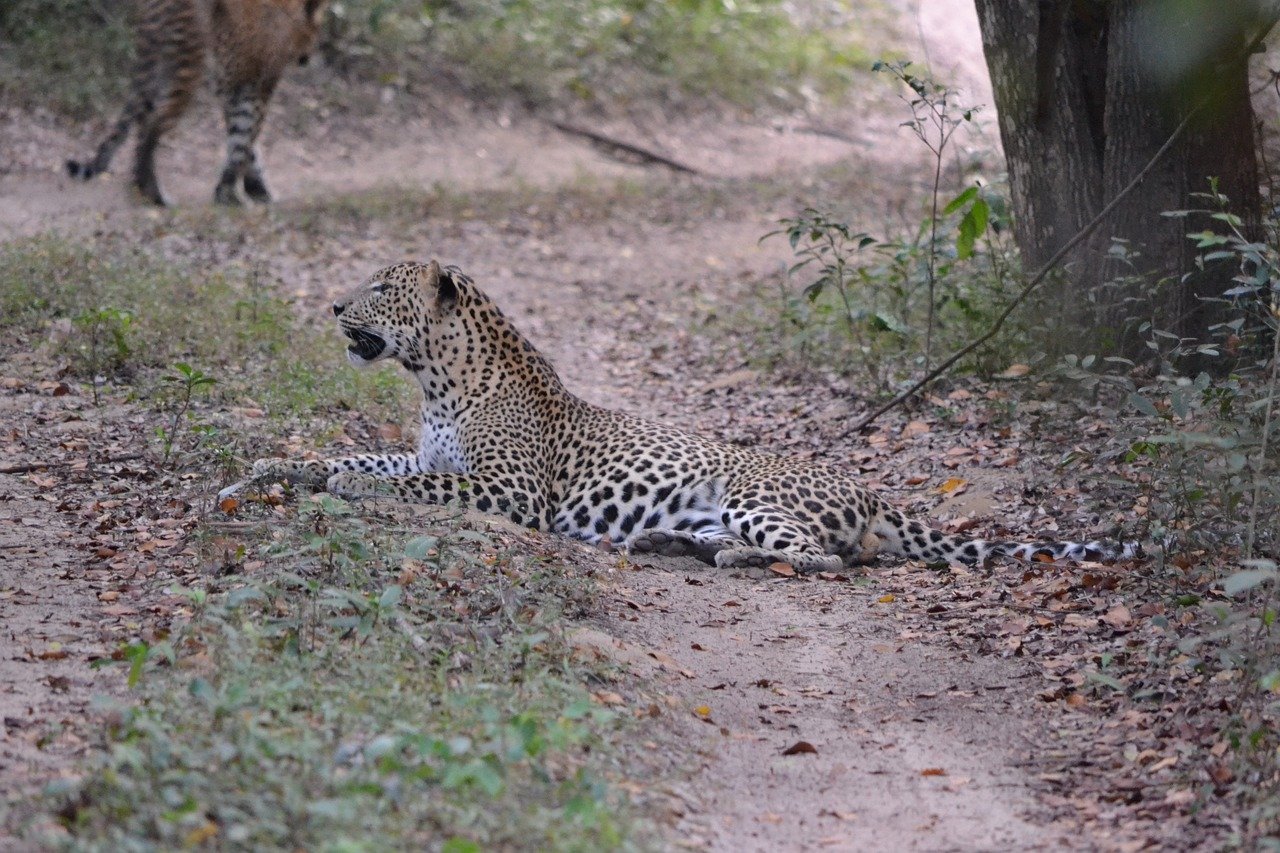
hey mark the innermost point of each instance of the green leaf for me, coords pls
(1102, 678)
(1143, 405)
(418, 547)
(136, 655)
(390, 597)
(887, 323)
(972, 226)
(960, 201)
(460, 845)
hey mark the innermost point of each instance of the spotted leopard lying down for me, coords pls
(501, 434)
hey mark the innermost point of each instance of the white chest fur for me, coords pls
(438, 446)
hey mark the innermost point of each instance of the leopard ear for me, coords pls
(443, 289)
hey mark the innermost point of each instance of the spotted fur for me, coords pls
(501, 434)
(252, 42)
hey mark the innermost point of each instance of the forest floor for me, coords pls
(953, 710)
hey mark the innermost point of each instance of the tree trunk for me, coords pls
(1081, 112)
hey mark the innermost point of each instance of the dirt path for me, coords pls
(917, 746)
(912, 747)
(63, 602)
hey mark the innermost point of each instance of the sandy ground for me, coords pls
(914, 746)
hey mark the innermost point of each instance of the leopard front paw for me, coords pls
(264, 468)
(267, 471)
(350, 484)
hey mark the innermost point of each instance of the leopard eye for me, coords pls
(378, 288)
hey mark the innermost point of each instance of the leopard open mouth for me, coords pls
(365, 345)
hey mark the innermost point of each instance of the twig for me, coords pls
(629, 147)
(818, 130)
(1259, 475)
(415, 639)
(40, 466)
(1040, 275)
(236, 525)
(1049, 265)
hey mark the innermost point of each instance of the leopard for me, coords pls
(251, 43)
(501, 434)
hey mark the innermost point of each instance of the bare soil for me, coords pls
(915, 740)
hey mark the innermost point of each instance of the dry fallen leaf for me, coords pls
(228, 505)
(783, 569)
(198, 836)
(1013, 371)
(605, 697)
(1118, 616)
(951, 485)
(887, 598)
(933, 771)
(801, 747)
(703, 711)
(915, 428)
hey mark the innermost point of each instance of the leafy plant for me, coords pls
(935, 117)
(864, 301)
(187, 380)
(109, 331)
(882, 305)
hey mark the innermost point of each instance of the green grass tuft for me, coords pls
(120, 313)
(71, 56)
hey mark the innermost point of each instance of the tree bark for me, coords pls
(1074, 138)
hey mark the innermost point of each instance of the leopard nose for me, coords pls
(338, 308)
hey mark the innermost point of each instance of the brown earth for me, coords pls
(917, 742)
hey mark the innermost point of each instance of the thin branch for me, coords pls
(630, 147)
(415, 639)
(1041, 274)
(40, 466)
(818, 130)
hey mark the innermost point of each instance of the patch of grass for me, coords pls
(656, 198)
(611, 50)
(73, 56)
(365, 689)
(70, 56)
(117, 312)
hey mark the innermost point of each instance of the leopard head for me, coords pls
(397, 313)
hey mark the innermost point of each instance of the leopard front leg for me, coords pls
(518, 498)
(317, 472)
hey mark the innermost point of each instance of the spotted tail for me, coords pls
(914, 540)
